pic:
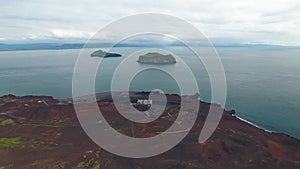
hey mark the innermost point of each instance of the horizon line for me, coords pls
(80, 45)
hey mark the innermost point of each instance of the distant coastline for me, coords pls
(60, 46)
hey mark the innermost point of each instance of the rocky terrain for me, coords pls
(38, 132)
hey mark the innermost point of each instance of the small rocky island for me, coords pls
(101, 53)
(156, 58)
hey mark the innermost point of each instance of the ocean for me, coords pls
(263, 83)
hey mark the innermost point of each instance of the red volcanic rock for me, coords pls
(51, 137)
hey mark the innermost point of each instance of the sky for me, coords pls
(241, 21)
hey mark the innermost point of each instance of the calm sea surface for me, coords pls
(263, 84)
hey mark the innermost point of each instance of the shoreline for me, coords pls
(255, 125)
(264, 129)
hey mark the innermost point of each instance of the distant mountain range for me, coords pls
(36, 46)
(40, 46)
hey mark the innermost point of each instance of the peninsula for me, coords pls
(101, 53)
(156, 58)
(33, 125)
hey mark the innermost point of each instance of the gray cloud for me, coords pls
(249, 21)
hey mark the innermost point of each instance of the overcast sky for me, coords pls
(241, 21)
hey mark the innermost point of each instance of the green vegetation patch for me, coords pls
(7, 122)
(8, 142)
(155, 54)
(92, 164)
(99, 53)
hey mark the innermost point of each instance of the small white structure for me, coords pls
(145, 102)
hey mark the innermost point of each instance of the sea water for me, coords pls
(263, 83)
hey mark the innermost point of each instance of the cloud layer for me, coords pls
(248, 21)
